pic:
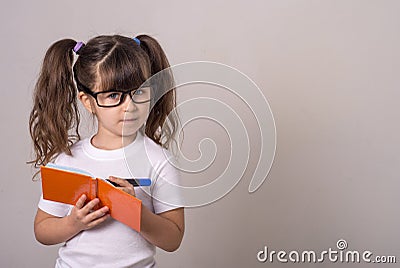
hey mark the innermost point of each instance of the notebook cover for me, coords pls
(66, 186)
(123, 206)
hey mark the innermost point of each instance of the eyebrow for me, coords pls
(120, 90)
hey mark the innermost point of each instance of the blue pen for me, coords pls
(135, 182)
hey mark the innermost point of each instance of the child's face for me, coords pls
(122, 121)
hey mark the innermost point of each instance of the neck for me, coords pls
(108, 142)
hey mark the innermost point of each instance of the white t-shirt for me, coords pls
(113, 244)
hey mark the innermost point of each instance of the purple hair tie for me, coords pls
(137, 40)
(78, 46)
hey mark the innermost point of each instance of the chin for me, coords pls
(128, 131)
(126, 134)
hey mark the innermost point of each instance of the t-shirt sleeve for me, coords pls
(167, 194)
(54, 208)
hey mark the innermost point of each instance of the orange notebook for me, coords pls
(66, 185)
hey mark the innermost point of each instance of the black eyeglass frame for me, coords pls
(122, 99)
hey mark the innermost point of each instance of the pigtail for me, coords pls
(163, 116)
(55, 110)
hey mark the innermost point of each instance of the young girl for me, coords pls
(131, 141)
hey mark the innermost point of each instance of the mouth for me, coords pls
(129, 120)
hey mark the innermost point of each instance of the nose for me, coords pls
(128, 104)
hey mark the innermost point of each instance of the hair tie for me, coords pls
(77, 47)
(137, 40)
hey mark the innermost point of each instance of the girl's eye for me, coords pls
(113, 95)
(139, 92)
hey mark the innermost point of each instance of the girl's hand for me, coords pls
(83, 217)
(124, 185)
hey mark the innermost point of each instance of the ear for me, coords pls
(86, 101)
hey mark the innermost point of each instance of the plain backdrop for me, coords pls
(330, 71)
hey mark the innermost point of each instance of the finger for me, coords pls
(81, 201)
(89, 206)
(125, 185)
(130, 190)
(98, 221)
(119, 181)
(97, 214)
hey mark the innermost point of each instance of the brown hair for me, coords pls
(105, 62)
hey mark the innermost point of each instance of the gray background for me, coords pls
(328, 69)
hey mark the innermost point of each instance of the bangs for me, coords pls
(123, 70)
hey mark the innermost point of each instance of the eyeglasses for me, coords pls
(113, 97)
